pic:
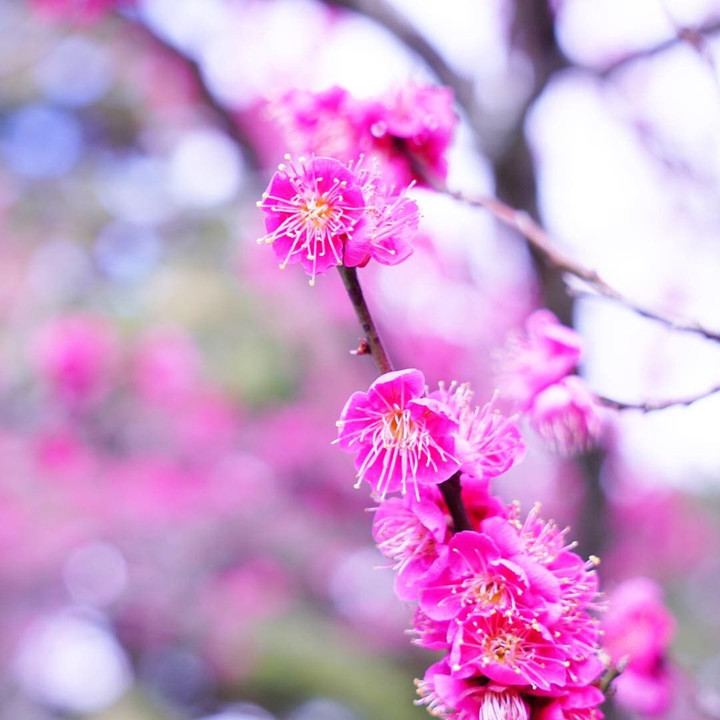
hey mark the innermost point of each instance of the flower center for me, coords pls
(399, 430)
(484, 592)
(502, 648)
(316, 212)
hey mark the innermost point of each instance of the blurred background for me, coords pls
(178, 537)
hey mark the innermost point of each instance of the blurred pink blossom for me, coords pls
(639, 627)
(566, 415)
(546, 353)
(76, 355)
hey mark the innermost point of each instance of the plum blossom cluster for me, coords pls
(331, 207)
(322, 213)
(507, 600)
(538, 375)
(407, 131)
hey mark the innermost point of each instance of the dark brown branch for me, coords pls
(375, 345)
(452, 494)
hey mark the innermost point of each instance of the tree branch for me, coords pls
(695, 37)
(541, 241)
(225, 117)
(375, 345)
(451, 491)
(653, 405)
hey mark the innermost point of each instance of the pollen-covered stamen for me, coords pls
(543, 540)
(313, 217)
(404, 444)
(502, 649)
(505, 705)
(404, 539)
(485, 591)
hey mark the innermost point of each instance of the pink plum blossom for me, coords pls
(407, 131)
(322, 213)
(401, 437)
(413, 533)
(578, 704)
(311, 209)
(511, 607)
(536, 374)
(388, 228)
(326, 123)
(566, 415)
(488, 444)
(420, 121)
(480, 579)
(509, 651)
(639, 628)
(446, 695)
(544, 355)
(76, 355)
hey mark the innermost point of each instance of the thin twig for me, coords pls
(372, 336)
(697, 41)
(222, 114)
(539, 239)
(694, 36)
(653, 405)
(614, 671)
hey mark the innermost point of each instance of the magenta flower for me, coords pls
(410, 127)
(488, 444)
(578, 704)
(566, 415)
(311, 210)
(448, 696)
(414, 534)
(401, 437)
(482, 580)
(418, 119)
(322, 213)
(388, 228)
(507, 650)
(320, 123)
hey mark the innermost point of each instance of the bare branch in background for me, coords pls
(695, 37)
(542, 242)
(222, 114)
(653, 405)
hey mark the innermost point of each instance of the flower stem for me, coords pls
(374, 343)
(451, 491)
